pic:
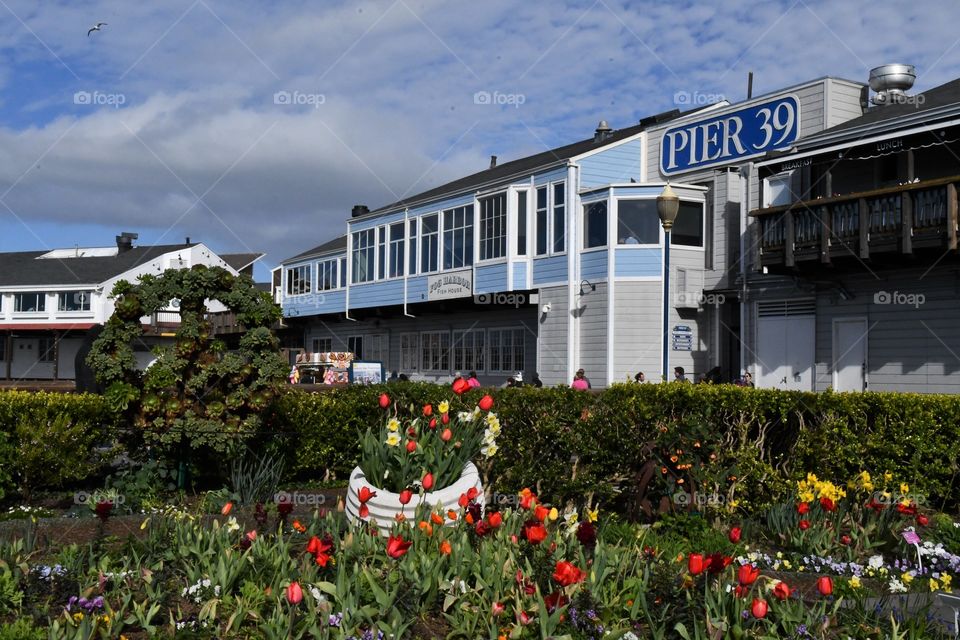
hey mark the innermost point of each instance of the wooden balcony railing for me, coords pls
(220, 323)
(891, 220)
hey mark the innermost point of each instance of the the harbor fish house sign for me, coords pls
(732, 136)
(450, 285)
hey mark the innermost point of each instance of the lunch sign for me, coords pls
(736, 135)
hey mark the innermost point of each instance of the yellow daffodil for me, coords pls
(945, 579)
(554, 514)
(904, 487)
(490, 450)
(593, 515)
(934, 585)
(907, 577)
(806, 496)
(854, 582)
(393, 424)
(571, 518)
(888, 477)
(393, 439)
(444, 406)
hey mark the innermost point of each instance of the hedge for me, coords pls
(746, 445)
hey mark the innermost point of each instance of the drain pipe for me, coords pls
(406, 267)
(745, 174)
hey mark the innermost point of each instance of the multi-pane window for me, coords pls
(298, 280)
(595, 224)
(74, 300)
(493, 227)
(322, 345)
(505, 350)
(409, 352)
(559, 218)
(381, 252)
(521, 223)
(458, 237)
(435, 348)
(35, 301)
(397, 243)
(468, 351)
(343, 272)
(688, 227)
(363, 255)
(412, 270)
(327, 274)
(541, 221)
(46, 350)
(638, 222)
(355, 346)
(429, 243)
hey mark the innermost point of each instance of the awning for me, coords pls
(46, 326)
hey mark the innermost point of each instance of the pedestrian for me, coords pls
(472, 380)
(580, 381)
(746, 380)
(536, 382)
(679, 375)
(509, 383)
(639, 378)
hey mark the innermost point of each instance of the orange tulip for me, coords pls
(436, 518)
(227, 508)
(452, 514)
(445, 548)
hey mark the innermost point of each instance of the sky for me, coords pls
(256, 126)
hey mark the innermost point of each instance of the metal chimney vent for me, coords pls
(359, 210)
(602, 132)
(891, 82)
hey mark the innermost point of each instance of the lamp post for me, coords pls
(667, 206)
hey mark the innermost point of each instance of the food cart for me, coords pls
(327, 367)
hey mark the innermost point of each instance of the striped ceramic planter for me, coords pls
(385, 506)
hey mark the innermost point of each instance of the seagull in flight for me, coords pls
(96, 28)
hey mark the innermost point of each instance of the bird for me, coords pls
(96, 28)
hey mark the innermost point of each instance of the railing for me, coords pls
(896, 219)
(220, 323)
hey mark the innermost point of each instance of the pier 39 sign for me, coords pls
(737, 135)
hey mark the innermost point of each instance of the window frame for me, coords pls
(545, 225)
(430, 240)
(458, 346)
(46, 349)
(396, 251)
(315, 344)
(409, 353)
(366, 251)
(703, 226)
(413, 257)
(426, 351)
(86, 309)
(562, 184)
(466, 232)
(352, 346)
(496, 221)
(616, 225)
(522, 217)
(499, 331)
(326, 267)
(41, 302)
(586, 206)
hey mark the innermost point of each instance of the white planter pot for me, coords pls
(385, 506)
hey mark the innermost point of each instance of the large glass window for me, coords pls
(381, 252)
(429, 243)
(327, 274)
(46, 350)
(322, 345)
(688, 227)
(458, 237)
(343, 272)
(468, 351)
(541, 221)
(396, 249)
(638, 222)
(32, 302)
(493, 227)
(595, 224)
(521, 223)
(506, 350)
(363, 255)
(412, 270)
(355, 346)
(74, 301)
(436, 351)
(409, 352)
(559, 218)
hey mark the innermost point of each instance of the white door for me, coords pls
(785, 352)
(849, 354)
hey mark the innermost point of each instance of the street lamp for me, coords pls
(668, 204)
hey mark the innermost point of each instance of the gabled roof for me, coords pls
(24, 269)
(337, 245)
(239, 261)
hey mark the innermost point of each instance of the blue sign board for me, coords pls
(736, 135)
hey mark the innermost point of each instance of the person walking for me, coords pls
(472, 380)
(639, 378)
(580, 381)
(679, 375)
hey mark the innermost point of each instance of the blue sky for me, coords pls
(174, 121)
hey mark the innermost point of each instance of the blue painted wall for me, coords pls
(553, 269)
(519, 275)
(593, 265)
(646, 261)
(376, 294)
(313, 304)
(491, 278)
(617, 164)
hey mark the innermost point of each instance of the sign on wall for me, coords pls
(682, 338)
(736, 135)
(456, 284)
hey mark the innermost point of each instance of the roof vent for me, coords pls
(493, 161)
(125, 241)
(359, 210)
(602, 132)
(891, 82)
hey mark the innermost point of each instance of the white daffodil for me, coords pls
(232, 525)
(393, 439)
(393, 424)
(489, 450)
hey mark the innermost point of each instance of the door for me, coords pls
(850, 354)
(786, 335)
(376, 348)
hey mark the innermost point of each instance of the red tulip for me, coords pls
(735, 534)
(534, 532)
(923, 520)
(384, 401)
(294, 593)
(411, 446)
(781, 590)
(525, 618)
(227, 508)
(556, 600)
(825, 585)
(486, 403)
(758, 608)
(827, 504)
(428, 410)
(481, 528)
(446, 435)
(313, 546)
(541, 512)
(463, 501)
(427, 481)
(460, 386)
(364, 511)
(433, 423)
(803, 508)
(566, 574)
(747, 574)
(695, 564)
(405, 496)
(527, 499)
(445, 418)
(717, 562)
(740, 591)
(366, 493)
(845, 539)
(472, 493)
(804, 525)
(397, 546)
(494, 519)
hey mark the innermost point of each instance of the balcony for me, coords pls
(865, 225)
(166, 322)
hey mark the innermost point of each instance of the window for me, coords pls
(595, 224)
(381, 252)
(688, 227)
(542, 221)
(322, 345)
(409, 352)
(3, 349)
(521, 223)
(458, 237)
(436, 351)
(429, 243)
(343, 272)
(34, 302)
(776, 189)
(46, 350)
(327, 275)
(638, 222)
(363, 255)
(468, 351)
(559, 218)
(493, 227)
(412, 270)
(506, 350)
(74, 301)
(397, 241)
(355, 346)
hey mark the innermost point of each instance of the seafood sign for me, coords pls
(458, 284)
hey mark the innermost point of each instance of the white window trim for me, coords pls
(506, 227)
(551, 213)
(583, 221)
(454, 343)
(439, 237)
(523, 331)
(336, 273)
(418, 353)
(423, 367)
